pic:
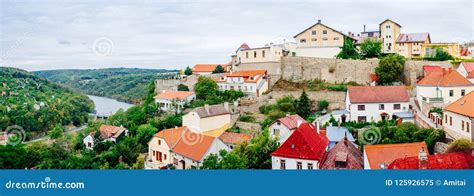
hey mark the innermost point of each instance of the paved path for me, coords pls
(420, 114)
(47, 137)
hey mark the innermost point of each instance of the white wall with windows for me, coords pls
(369, 112)
(458, 126)
(283, 163)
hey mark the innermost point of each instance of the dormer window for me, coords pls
(341, 164)
(303, 41)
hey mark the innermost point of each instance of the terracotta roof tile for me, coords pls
(387, 153)
(207, 67)
(347, 151)
(172, 135)
(469, 66)
(429, 68)
(193, 145)
(463, 106)
(108, 131)
(456, 160)
(445, 77)
(377, 94)
(304, 143)
(235, 138)
(211, 110)
(290, 121)
(180, 95)
(470, 75)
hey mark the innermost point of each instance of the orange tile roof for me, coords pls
(377, 94)
(172, 135)
(463, 106)
(180, 95)
(387, 153)
(445, 77)
(207, 67)
(193, 145)
(235, 138)
(108, 131)
(470, 75)
(246, 73)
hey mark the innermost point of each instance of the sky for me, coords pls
(66, 34)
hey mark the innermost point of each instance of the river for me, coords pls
(105, 106)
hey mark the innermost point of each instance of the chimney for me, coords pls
(287, 114)
(345, 138)
(422, 159)
(339, 124)
(317, 126)
(226, 106)
(206, 107)
(319, 21)
(349, 33)
(298, 123)
(364, 28)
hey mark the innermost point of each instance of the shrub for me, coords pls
(460, 145)
(338, 87)
(390, 69)
(182, 87)
(246, 118)
(323, 104)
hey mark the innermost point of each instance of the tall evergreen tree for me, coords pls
(348, 50)
(188, 71)
(218, 69)
(303, 105)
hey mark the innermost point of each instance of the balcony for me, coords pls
(432, 99)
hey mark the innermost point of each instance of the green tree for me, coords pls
(182, 87)
(443, 56)
(205, 88)
(390, 69)
(348, 50)
(303, 105)
(56, 133)
(460, 145)
(323, 104)
(144, 133)
(188, 71)
(371, 48)
(218, 69)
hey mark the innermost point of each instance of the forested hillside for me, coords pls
(38, 105)
(124, 84)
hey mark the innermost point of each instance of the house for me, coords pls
(232, 139)
(320, 40)
(338, 115)
(210, 120)
(174, 100)
(160, 147)
(409, 45)
(430, 49)
(430, 68)
(283, 127)
(206, 69)
(306, 148)
(382, 155)
(376, 103)
(459, 118)
(440, 88)
(389, 31)
(107, 133)
(271, 52)
(344, 155)
(466, 69)
(454, 160)
(193, 148)
(336, 134)
(251, 82)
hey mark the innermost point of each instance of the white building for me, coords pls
(466, 69)
(376, 103)
(380, 156)
(252, 82)
(459, 118)
(210, 120)
(174, 100)
(306, 148)
(440, 88)
(269, 53)
(284, 127)
(160, 147)
(107, 133)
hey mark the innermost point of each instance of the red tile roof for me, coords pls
(470, 75)
(108, 131)
(468, 66)
(373, 78)
(429, 68)
(445, 77)
(463, 106)
(456, 160)
(193, 145)
(304, 143)
(377, 94)
(170, 95)
(207, 67)
(249, 76)
(235, 138)
(344, 151)
(171, 136)
(291, 121)
(387, 153)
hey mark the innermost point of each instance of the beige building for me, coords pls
(251, 82)
(459, 118)
(410, 45)
(430, 49)
(160, 147)
(319, 40)
(389, 31)
(210, 120)
(269, 53)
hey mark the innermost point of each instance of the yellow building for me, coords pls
(430, 49)
(410, 45)
(389, 31)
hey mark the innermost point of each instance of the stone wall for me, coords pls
(336, 99)
(248, 126)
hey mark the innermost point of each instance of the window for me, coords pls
(175, 161)
(299, 165)
(325, 39)
(427, 51)
(310, 166)
(303, 41)
(381, 107)
(361, 119)
(263, 53)
(164, 157)
(445, 118)
(153, 153)
(325, 32)
(336, 38)
(247, 55)
(451, 121)
(89, 144)
(462, 125)
(463, 92)
(467, 127)
(451, 93)
(314, 39)
(282, 164)
(255, 54)
(276, 132)
(313, 32)
(159, 142)
(361, 107)
(396, 106)
(341, 164)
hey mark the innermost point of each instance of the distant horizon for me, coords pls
(102, 68)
